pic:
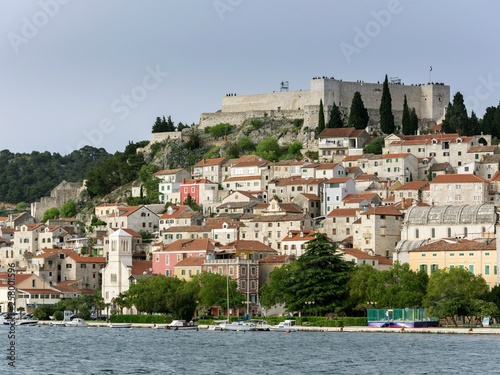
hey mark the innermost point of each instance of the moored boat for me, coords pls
(120, 325)
(238, 326)
(286, 326)
(260, 324)
(77, 322)
(182, 325)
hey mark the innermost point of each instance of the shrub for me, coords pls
(144, 319)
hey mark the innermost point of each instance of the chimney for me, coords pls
(403, 203)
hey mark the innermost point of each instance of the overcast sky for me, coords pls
(99, 72)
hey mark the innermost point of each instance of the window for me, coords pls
(423, 267)
(113, 278)
(434, 268)
(183, 272)
(486, 269)
(68, 266)
(417, 233)
(471, 268)
(433, 232)
(243, 270)
(167, 272)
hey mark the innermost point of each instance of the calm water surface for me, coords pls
(60, 350)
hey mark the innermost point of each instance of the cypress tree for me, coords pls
(447, 126)
(385, 110)
(405, 121)
(321, 118)
(336, 120)
(413, 122)
(358, 114)
(157, 127)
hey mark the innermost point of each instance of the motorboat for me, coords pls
(58, 324)
(238, 326)
(159, 326)
(77, 322)
(260, 324)
(120, 325)
(182, 325)
(288, 325)
(26, 322)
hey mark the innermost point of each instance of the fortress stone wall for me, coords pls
(429, 101)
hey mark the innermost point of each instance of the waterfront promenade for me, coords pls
(435, 330)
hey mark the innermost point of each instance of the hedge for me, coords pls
(146, 319)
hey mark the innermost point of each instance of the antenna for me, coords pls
(284, 86)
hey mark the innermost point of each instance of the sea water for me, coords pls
(61, 350)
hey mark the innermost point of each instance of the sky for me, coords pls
(93, 72)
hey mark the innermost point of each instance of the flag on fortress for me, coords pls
(431, 69)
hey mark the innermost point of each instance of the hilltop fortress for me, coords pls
(429, 101)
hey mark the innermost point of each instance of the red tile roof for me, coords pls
(344, 212)
(383, 210)
(341, 133)
(190, 262)
(457, 245)
(209, 162)
(453, 178)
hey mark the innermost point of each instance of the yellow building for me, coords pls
(188, 267)
(478, 257)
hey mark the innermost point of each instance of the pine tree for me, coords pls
(385, 110)
(358, 114)
(413, 121)
(157, 126)
(321, 118)
(405, 121)
(170, 125)
(336, 119)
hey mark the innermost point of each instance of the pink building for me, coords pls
(165, 259)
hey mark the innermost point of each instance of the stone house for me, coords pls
(170, 183)
(136, 218)
(379, 230)
(335, 143)
(338, 224)
(211, 169)
(458, 189)
(334, 192)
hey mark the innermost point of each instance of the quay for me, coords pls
(431, 330)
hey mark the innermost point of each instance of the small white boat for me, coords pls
(182, 325)
(238, 326)
(58, 324)
(77, 322)
(215, 327)
(260, 324)
(120, 325)
(286, 326)
(26, 322)
(160, 326)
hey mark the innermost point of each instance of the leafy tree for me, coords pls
(43, 312)
(386, 116)
(219, 130)
(375, 146)
(22, 206)
(68, 209)
(232, 150)
(268, 149)
(246, 144)
(189, 201)
(364, 287)
(454, 292)
(150, 182)
(358, 114)
(156, 294)
(336, 119)
(51, 213)
(405, 121)
(214, 290)
(277, 290)
(294, 149)
(321, 118)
